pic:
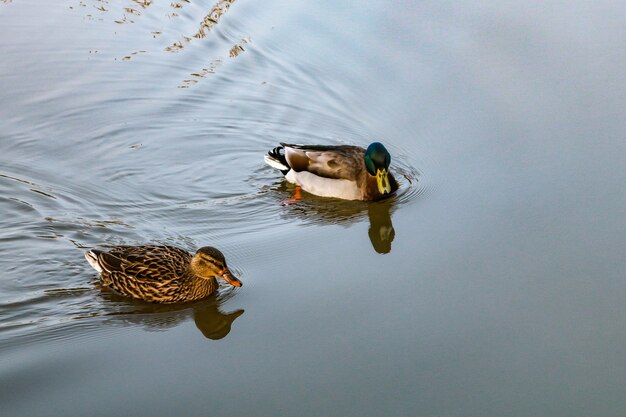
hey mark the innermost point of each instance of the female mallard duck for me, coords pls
(161, 274)
(347, 172)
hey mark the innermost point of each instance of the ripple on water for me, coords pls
(135, 160)
(195, 214)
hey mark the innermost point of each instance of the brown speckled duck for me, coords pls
(161, 274)
(344, 171)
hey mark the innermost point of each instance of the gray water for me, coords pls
(493, 284)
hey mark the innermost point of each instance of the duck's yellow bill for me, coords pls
(382, 179)
(231, 279)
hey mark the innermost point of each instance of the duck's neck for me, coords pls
(371, 187)
(201, 287)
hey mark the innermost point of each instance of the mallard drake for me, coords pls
(161, 274)
(344, 171)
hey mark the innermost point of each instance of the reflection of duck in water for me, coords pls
(346, 172)
(381, 231)
(212, 322)
(316, 210)
(161, 274)
(209, 319)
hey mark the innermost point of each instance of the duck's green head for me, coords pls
(377, 160)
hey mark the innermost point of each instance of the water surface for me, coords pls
(492, 284)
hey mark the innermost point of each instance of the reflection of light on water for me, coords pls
(235, 51)
(130, 15)
(130, 10)
(238, 48)
(143, 3)
(206, 25)
(132, 54)
(212, 18)
(204, 72)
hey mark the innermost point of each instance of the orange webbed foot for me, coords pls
(297, 195)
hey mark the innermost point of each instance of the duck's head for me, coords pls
(377, 160)
(209, 262)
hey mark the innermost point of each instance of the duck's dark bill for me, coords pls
(231, 279)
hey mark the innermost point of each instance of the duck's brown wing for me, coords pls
(336, 162)
(145, 263)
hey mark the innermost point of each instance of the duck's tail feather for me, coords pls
(92, 258)
(276, 159)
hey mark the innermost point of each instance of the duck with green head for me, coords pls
(343, 171)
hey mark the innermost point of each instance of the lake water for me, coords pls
(493, 284)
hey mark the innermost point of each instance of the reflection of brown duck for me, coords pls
(212, 322)
(161, 274)
(207, 315)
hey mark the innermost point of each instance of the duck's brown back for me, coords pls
(159, 274)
